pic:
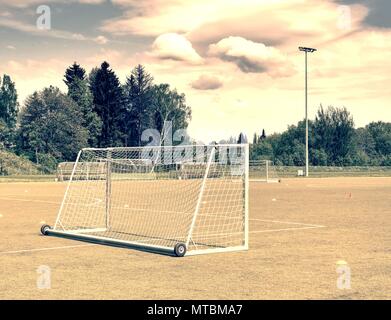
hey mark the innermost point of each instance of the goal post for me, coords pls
(263, 171)
(195, 200)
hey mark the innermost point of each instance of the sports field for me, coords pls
(299, 230)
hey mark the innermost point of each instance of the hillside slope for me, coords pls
(11, 164)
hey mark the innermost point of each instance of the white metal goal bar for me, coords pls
(169, 199)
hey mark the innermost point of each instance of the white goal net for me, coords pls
(263, 171)
(173, 200)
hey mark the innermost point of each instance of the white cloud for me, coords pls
(206, 21)
(32, 29)
(251, 56)
(101, 40)
(207, 82)
(153, 17)
(52, 33)
(258, 36)
(175, 47)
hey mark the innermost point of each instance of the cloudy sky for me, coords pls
(236, 60)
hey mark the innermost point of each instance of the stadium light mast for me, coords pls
(306, 50)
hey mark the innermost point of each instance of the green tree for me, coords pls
(334, 133)
(8, 102)
(6, 135)
(109, 105)
(263, 135)
(92, 76)
(289, 148)
(51, 127)
(138, 97)
(78, 89)
(365, 151)
(242, 138)
(74, 72)
(364, 141)
(318, 157)
(263, 150)
(168, 105)
(9, 108)
(381, 134)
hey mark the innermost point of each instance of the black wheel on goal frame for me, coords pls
(180, 249)
(44, 229)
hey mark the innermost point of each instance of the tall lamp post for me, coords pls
(306, 50)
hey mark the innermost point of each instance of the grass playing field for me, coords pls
(299, 230)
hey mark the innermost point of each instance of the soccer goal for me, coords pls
(263, 171)
(181, 200)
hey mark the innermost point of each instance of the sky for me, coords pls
(237, 61)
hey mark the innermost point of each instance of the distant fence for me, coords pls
(326, 171)
(281, 172)
(65, 169)
(89, 170)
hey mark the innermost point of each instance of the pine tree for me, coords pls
(8, 102)
(74, 72)
(78, 90)
(109, 105)
(9, 108)
(92, 76)
(242, 138)
(263, 135)
(138, 95)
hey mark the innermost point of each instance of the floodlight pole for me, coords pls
(306, 50)
(306, 116)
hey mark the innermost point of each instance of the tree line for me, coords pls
(96, 111)
(333, 141)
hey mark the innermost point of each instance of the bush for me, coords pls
(11, 164)
(47, 163)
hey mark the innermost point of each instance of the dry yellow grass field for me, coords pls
(299, 229)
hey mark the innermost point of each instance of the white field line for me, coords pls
(98, 201)
(289, 222)
(29, 200)
(286, 229)
(304, 226)
(46, 249)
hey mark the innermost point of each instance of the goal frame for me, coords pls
(85, 234)
(266, 164)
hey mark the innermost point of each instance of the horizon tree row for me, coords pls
(99, 111)
(333, 141)
(96, 111)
